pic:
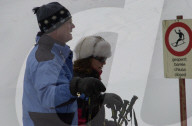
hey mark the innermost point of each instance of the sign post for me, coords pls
(183, 108)
(177, 46)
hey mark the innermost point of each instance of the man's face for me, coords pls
(64, 31)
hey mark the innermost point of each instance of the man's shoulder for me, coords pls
(42, 54)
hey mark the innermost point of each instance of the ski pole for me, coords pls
(129, 109)
(90, 111)
(114, 114)
(125, 103)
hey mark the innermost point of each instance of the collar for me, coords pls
(64, 51)
(51, 43)
(47, 40)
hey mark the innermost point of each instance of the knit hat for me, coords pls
(94, 46)
(51, 16)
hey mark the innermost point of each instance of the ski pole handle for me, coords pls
(129, 109)
(132, 103)
(122, 111)
(114, 114)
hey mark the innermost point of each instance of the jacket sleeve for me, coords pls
(51, 92)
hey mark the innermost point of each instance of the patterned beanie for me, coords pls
(51, 16)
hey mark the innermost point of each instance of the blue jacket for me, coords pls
(49, 70)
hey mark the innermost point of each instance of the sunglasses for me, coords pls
(100, 59)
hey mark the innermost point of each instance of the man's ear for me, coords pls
(53, 33)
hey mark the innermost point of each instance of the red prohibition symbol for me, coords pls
(171, 50)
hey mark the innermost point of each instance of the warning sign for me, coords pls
(177, 47)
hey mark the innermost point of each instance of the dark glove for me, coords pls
(109, 123)
(89, 86)
(111, 99)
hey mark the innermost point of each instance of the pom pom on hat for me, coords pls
(92, 46)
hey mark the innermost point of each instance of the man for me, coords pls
(50, 91)
(181, 37)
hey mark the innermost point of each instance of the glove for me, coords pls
(89, 86)
(111, 99)
(109, 123)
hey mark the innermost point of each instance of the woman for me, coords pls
(91, 54)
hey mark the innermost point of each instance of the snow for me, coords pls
(161, 104)
(133, 27)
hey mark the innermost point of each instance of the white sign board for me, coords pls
(177, 44)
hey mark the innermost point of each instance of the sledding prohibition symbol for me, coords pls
(178, 39)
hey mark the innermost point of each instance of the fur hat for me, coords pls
(51, 16)
(92, 46)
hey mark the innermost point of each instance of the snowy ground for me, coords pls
(134, 29)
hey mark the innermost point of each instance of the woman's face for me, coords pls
(97, 65)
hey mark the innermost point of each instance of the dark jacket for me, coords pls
(96, 109)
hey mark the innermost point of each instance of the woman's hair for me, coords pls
(83, 66)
